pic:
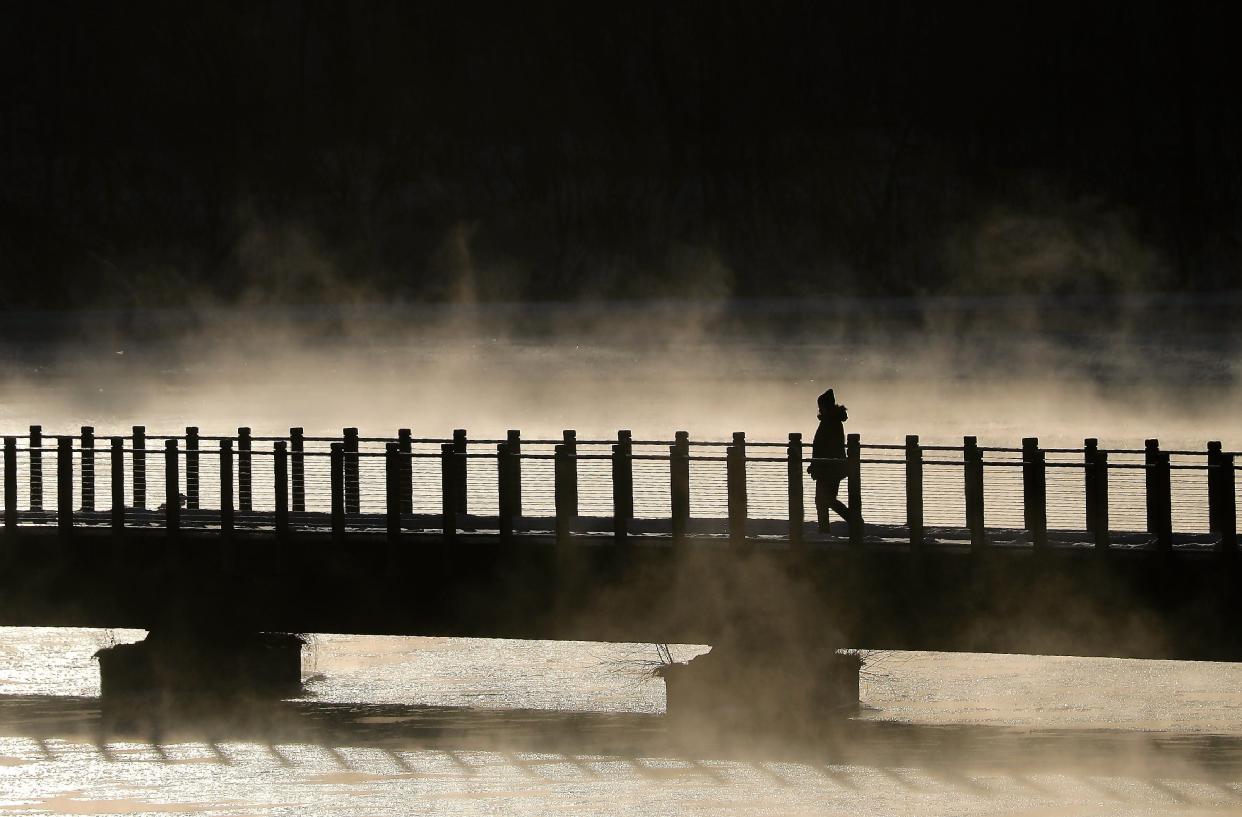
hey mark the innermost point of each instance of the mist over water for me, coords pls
(940, 734)
(941, 369)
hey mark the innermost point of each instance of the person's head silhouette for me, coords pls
(829, 408)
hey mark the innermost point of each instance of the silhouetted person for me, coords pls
(829, 444)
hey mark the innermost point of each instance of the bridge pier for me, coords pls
(173, 666)
(752, 687)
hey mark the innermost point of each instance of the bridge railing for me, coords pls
(734, 490)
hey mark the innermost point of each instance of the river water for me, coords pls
(458, 726)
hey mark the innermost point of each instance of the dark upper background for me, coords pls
(278, 151)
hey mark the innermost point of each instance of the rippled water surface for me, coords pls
(461, 726)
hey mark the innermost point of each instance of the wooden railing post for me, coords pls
(1091, 494)
(192, 495)
(172, 489)
(64, 485)
(739, 444)
(506, 490)
(10, 486)
(514, 440)
(297, 461)
(353, 495)
(461, 472)
(679, 484)
(735, 479)
(393, 495)
(280, 487)
(1099, 519)
(138, 465)
(1160, 497)
(336, 470)
(1214, 485)
(1151, 455)
(562, 482)
(36, 468)
(622, 492)
(914, 491)
(1228, 506)
(853, 475)
(569, 439)
(117, 477)
(448, 490)
(1035, 492)
(88, 469)
(245, 473)
(405, 471)
(226, 489)
(972, 460)
(797, 503)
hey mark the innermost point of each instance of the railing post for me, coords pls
(10, 486)
(735, 480)
(1163, 517)
(569, 439)
(797, 503)
(562, 467)
(192, 495)
(297, 461)
(1151, 455)
(64, 485)
(853, 475)
(1099, 519)
(172, 489)
(1228, 506)
(514, 441)
(972, 459)
(280, 487)
(679, 484)
(88, 469)
(1035, 492)
(36, 468)
(461, 474)
(622, 493)
(505, 490)
(739, 442)
(245, 495)
(1091, 494)
(625, 438)
(138, 465)
(405, 470)
(353, 496)
(914, 491)
(336, 469)
(226, 489)
(1214, 485)
(392, 491)
(117, 467)
(448, 489)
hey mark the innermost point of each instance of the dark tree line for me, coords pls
(307, 150)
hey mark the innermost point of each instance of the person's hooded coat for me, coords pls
(829, 440)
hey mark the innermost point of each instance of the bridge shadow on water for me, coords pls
(538, 743)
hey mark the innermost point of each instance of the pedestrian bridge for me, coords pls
(1091, 551)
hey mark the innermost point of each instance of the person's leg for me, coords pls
(822, 500)
(837, 505)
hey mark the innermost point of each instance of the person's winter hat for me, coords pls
(827, 399)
